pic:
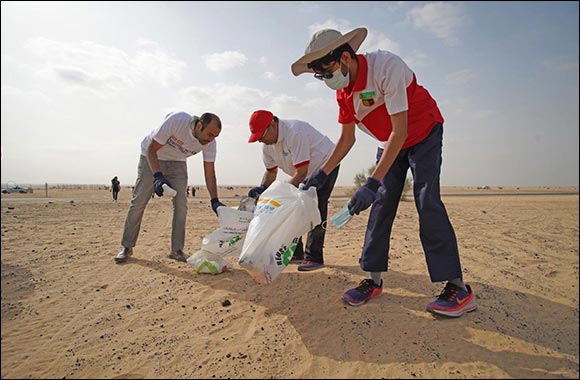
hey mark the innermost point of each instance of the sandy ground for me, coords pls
(68, 311)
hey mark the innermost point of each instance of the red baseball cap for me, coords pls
(259, 121)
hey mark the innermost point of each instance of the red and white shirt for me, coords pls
(176, 136)
(384, 86)
(299, 144)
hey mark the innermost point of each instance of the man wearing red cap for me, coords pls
(299, 150)
(378, 93)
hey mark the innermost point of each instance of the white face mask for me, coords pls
(341, 218)
(338, 80)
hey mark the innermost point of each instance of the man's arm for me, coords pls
(396, 140)
(269, 177)
(299, 175)
(210, 180)
(152, 149)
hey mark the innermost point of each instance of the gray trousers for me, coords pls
(176, 173)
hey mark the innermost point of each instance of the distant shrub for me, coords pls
(361, 177)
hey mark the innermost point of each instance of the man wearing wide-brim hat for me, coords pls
(378, 93)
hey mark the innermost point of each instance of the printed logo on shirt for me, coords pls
(178, 144)
(367, 98)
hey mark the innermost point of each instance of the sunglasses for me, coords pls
(324, 75)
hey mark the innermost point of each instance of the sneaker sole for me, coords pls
(354, 303)
(472, 306)
(308, 269)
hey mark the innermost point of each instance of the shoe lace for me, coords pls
(366, 286)
(448, 293)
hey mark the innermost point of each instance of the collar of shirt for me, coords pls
(361, 77)
(282, 131)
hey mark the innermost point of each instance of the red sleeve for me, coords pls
(272, 169)
(302, 164)
(345, 111)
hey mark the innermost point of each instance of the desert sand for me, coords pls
(68, 311)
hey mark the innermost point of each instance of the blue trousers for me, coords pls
(435, 229)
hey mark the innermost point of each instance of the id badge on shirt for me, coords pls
(367, 98)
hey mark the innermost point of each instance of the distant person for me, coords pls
(193, 191)
(163, 161)
(380, 94)
(299, 150)
(115, 188)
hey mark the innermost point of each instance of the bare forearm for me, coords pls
(299, 175)
(152, 159)
(210, 179)
(211, 184)
(269, 177)
(390, 153)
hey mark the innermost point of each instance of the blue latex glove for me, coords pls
(158, 182)
(317, 179)
(256, 191)
(215, 203)
(364, 196)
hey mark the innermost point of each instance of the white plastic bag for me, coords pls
(234, 221)
(283, 214)
(208, 262)
(225, 241)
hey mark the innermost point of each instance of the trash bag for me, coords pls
(226, 241)
(208, 262)
(223, 243)
(283, 214)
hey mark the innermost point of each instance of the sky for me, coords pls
(84, 82)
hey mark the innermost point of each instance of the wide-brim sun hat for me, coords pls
(323, 42)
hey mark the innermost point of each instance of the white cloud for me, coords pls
(224, 61)
(13, 93)
(416, 58)
(314, 86)
(155, 62)
(271, 76)
(7, 59)
(459, 79)
(104, 69)
(263, 60)
(442, 19)
(342, 26)
(378, 40)
(231, 97)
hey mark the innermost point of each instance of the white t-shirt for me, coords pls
(176, 136)
(388, 76)
(299, 144)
